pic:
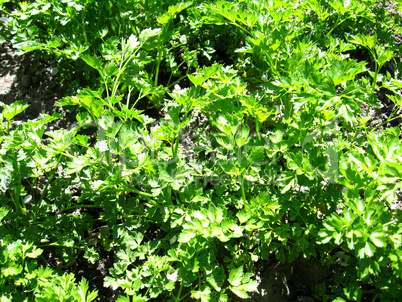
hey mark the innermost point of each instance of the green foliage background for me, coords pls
(288, 168)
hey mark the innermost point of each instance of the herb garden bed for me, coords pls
(200, 151)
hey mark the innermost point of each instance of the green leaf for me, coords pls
(3, 213)
(287, 180)
(203, 294)
(277, 137)
(367, 250)
(249, 285)
(366, 41)
(132, 43)
(244, 215)
(384, 55)
(11, 271)
(186, 236)
(226, 142)
(236, 276)
(35, 253)
(94, 62)
(147, 34)
(83, 294)
(242, 137)
(172, 11)
(10, 111)
(256, 156)
(77, 165)
(379, 238)
(216, 278)
(348, 112)
(139, 298)
(227, 124)
(344, 70)
(239, 292)
(196, 80)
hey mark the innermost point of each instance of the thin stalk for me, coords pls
(387, 121)
(171, 75)
(83, 28)
(157, 70)
(168, 195)
(50, 178)
(342, 22)
(80, 206)
(177, 81)
(271, 64)
(180, 289)
(176, 145)
(257, 128)
(243, 190)
(59, 245)
(151, 283)
(375, 75)
(106, 86)
(139, 98)
(19, 207)
(129, 189)
(240, 27)
(337, 20)
(129, 95)
(121, 69)
(6, 12)
(182, 298)
(178, 298)
(18, 203)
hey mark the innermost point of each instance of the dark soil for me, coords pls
(26, 79)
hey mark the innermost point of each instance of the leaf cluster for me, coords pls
(210, 136)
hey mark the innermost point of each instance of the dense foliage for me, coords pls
(284, 166)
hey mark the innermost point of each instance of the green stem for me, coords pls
(179, 293)
(122, 68)
(257, 127)
(80, 206)
(171, 75)
(375, 76)
(157, 70)
(243, 190)
(182, 298)
(139, 98)
(151, 283)
(168, 195)
(59, 245)
(129, 95)
(18, 203)
(177, 81)
(116, 82)
(388, 120)
(50, 178)
(176, 145)
(83, 28)
(129, 189)
(6, 12)
(337, 20)
(105, 82)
